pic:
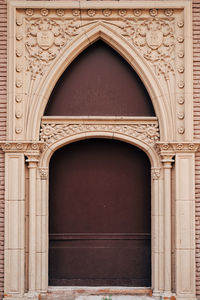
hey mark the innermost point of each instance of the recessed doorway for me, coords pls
(99, 215)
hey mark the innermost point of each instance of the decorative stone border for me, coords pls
(145, 130)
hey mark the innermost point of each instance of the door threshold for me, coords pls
(97, 293)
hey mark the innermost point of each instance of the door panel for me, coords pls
(99, 215)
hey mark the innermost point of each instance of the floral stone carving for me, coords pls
(154, 36)
(156, 41)
(148, 133)
(45, 37)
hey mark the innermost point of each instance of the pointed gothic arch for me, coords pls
(99, 82)
(130, 54)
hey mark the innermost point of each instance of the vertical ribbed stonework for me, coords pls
(196, 96)
(3, 75)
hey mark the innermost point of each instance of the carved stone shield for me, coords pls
(45, 39)
(154, 39)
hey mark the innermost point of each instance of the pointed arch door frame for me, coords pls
(27, 154)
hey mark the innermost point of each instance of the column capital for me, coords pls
(32, 159)
(155, 173)
(43, 172)
(167, 160)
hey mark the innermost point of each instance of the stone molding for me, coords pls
(145, 130)
(172, 147)
(24, 146)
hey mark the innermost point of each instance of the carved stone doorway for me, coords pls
(47, 37)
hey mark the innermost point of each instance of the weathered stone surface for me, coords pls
(122, 297)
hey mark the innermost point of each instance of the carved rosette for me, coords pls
(148, 133)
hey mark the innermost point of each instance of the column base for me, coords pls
(172, 296)
(26, 296)
(156, 294)
(186, 297)
(168, 296)
(32, 296)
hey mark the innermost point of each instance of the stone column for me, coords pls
(157, 236)
(42, 231)
(167, 165)
(32, 165)
(185, 223)
(167, 153)
(14, 223)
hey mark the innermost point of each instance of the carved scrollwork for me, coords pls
(155, 38)
(45, 37)
(148, 133)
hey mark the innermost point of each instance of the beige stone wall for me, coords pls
(3, 74)
(196, 74)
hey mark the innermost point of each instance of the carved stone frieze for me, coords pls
(153, 35)
(148, 133)
(31, 147)
(165, 148)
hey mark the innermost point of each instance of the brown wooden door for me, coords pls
(99, 215)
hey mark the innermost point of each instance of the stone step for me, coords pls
(110, 297)
(99, 293)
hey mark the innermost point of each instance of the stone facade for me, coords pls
(3, 93)
(196, 74)
(179, 114)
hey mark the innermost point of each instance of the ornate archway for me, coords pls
(152, 40)
(132, 56)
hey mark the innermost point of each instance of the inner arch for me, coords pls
(99, 82)
(100, 215)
